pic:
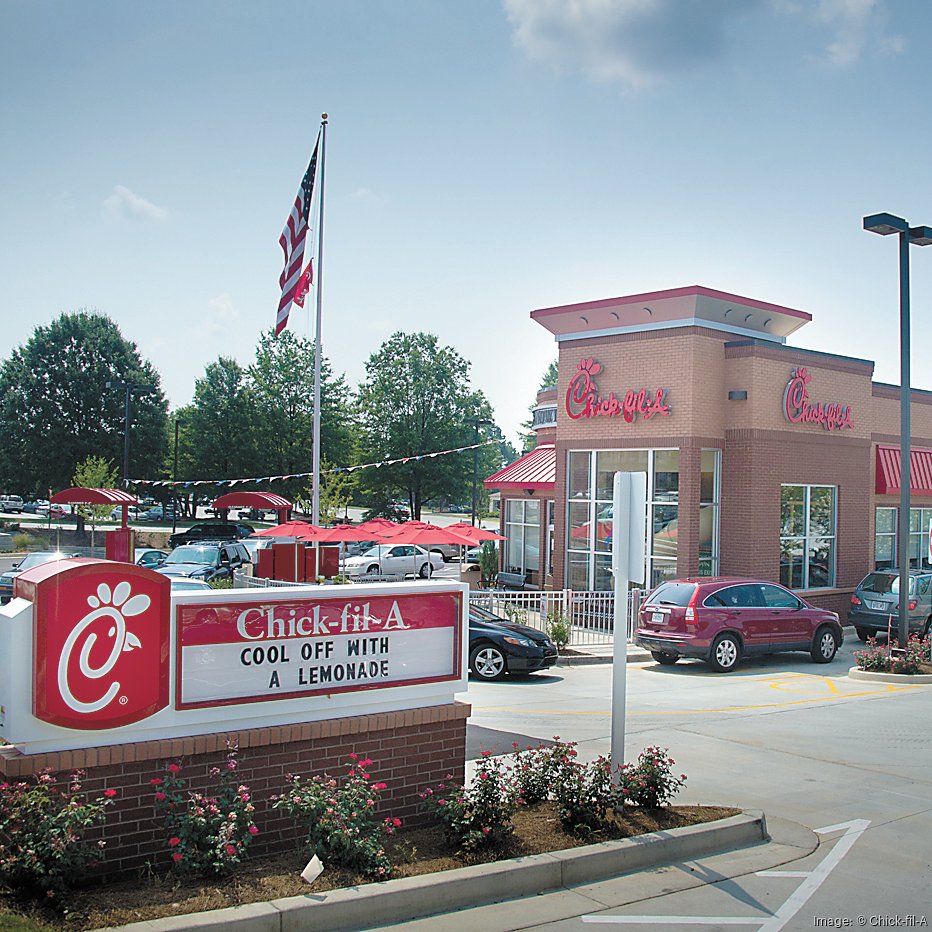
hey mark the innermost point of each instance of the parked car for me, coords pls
(393, 559)
(11, 504)
(498, 646)
(722, 619)
(255, 514)
(205, 561)
(38, 507)
(36, 558)
(158, 513)
(59, 511)
(211, 530)
(877, 596)
(148, 556)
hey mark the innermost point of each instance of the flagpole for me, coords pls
(315, 497)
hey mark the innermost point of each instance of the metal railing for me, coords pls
(590, 614)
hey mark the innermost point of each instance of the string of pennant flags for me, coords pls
(177, 483)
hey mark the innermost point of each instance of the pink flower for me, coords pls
(365, 763)
(486, 830)
(177, 856)
(174, 842)
(483, 776)
(173, 768)
(231, 850)
(253, 830)
(379, 786)
(396, 822)
(155, 781)
(160, 797)
(109, 793)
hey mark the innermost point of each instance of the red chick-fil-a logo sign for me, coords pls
(584, 400)
(798, 409)
(101, 644)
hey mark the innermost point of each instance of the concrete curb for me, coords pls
(407, 898)
(901, 679)
(579, 660)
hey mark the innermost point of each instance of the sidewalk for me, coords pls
(578, 655)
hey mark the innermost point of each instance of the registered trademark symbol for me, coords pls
(123, 700)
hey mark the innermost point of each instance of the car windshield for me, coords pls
(373, 552)
(191, 554)
(37, 559)
(884, 583)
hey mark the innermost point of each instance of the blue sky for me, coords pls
(484, 159)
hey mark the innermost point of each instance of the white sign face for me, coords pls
(268, 650)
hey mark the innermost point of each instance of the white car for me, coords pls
(393, 560)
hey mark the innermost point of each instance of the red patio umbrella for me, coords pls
(348, 532)
(297, 529)
(477, 534)
(378, 524)
(419, 532)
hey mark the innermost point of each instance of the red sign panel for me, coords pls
(237, 652)
(584, 400)
(101, 642)
(798, 409)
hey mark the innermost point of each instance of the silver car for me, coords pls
(875, 604)
(393, 560)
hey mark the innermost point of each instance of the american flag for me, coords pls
(293, 281)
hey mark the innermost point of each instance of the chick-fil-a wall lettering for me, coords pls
(798, 409)
(583, 399)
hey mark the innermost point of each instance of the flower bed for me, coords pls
(880, 658)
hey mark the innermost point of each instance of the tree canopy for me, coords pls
(55, 409)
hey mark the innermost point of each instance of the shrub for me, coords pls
(558, 628)
(41, 831)
(878, 658)
(536, 771)
(342, 827)
(874, 657)
(478, 816)
(585, 794)
(651, 783)
(23, 542)
(226, 583)
(488, 564)
(205, 833)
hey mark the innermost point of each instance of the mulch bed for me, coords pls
(416, 851)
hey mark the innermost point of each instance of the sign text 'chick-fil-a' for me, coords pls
(583, 399)
(798, 409)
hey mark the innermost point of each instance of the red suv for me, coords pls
(720, 619)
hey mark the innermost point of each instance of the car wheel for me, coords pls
(824, 645)
(424, 571)
(726, 652)
(663, 658)
(863, 634)
(487, 662)
(373, 570)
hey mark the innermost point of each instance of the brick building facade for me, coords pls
(763, 459)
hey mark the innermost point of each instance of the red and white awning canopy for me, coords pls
(267, 500)
(887, 481)
(79, 496)
(535, 471)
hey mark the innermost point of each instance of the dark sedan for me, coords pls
(498, 646)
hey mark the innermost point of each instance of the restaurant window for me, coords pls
(885, 534)
(807, 536)
(589, 518)
(522, 530)
(709, 487)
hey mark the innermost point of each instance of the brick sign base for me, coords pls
(409, 750)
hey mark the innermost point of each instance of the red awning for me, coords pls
(267, 500)
(79, 496)
(536, 470)
(887, 480)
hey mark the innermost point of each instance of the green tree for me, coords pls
(416, 400)
(548, 380)
(94, 472)
(336, 492)
(55, 409)
(282, 385)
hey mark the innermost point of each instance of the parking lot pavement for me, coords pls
(799, 740)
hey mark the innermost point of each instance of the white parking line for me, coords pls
(812, 880)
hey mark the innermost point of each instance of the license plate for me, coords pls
(658, 618)
(876, 606)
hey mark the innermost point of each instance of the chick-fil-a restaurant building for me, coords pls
(763, 459)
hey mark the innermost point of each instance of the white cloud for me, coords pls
(639, 43)
(367, 195)
(634, 42)
(124, 204)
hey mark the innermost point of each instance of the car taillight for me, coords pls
(691, 608)
(855, 600)
(912, 604)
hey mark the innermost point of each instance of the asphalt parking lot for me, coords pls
(799, 740)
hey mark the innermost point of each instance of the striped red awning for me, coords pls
(80, 496)
(888, 471)
(536, 470)
(267, 500)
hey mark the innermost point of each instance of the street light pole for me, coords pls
(884, 225)
(129, 389)
(175, 479)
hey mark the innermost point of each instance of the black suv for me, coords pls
(211, 530)
(208, 560)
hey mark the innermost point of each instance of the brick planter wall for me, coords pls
(409, 750)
